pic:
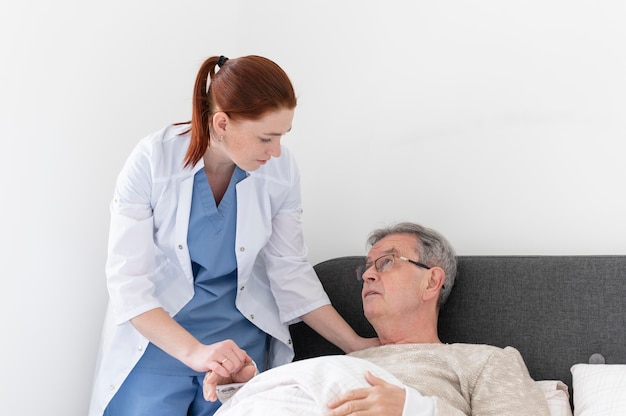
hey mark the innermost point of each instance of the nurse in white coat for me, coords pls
(206, 264)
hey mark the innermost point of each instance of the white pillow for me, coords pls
(557, 397)
(599, 389)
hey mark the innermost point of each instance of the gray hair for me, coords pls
(432, 248)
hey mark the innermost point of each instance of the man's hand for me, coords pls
(381, 399)
(238, 375)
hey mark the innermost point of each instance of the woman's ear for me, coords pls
(220, 121)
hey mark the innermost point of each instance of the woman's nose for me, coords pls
(274, 149)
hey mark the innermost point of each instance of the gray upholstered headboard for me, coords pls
(556, 310)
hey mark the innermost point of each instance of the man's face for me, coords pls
(395, 293)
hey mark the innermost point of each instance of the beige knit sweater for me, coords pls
(464, 379)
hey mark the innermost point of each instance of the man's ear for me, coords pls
(435, 282)
(220, 121)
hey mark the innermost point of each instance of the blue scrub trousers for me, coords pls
(136, 396)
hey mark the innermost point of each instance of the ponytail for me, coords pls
(202, 110)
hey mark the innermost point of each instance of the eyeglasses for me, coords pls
(384, 263)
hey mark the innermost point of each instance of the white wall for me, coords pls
(501, 124)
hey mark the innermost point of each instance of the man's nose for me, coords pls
(370, 274)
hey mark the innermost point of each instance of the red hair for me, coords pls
(244, 88)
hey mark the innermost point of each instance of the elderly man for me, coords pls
(407, 276)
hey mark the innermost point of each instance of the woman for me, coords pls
(206, 262)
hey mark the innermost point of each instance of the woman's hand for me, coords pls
(212, 379)
(159, 328)
(381, 399)
(367, 343)
(327, 322)
(223, 358)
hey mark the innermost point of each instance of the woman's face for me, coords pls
(251, 143)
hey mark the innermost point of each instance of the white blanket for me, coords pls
(302, 387)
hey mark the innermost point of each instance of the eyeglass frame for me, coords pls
(361, 269)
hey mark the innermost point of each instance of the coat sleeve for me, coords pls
(294, 284)
(131, 264)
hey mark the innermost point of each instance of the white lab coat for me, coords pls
(149, 266)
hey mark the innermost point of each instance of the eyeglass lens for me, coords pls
(382, 264)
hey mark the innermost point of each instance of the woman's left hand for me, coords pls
(212, 379)
(367, 343)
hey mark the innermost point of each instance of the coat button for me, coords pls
(252, 316)
(112, 387)
(242, 288)
(289, 341)
(242, 249)
(180, 246)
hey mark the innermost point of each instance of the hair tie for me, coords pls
(221, 61)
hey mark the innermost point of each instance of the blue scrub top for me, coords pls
(211, 315)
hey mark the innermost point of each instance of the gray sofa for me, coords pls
(556, 310)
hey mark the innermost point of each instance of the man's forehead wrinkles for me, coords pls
(391, 250)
